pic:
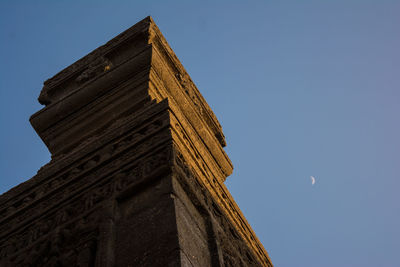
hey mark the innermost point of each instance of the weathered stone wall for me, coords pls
(137, 170)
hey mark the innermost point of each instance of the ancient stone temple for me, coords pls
(137, 171)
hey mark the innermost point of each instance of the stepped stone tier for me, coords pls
(137, 171)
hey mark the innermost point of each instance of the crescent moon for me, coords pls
(312, 180)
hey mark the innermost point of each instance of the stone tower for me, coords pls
(137, 171)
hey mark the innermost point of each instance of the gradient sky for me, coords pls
(301, 88)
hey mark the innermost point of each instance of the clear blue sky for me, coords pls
(301, 88)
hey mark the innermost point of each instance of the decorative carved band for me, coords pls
(110, 156)
(93, 152)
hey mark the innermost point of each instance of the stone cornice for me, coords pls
(138, 31)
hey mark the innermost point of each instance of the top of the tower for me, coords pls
(92, 65)
(103, 70)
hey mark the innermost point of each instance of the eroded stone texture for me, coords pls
(137, 170)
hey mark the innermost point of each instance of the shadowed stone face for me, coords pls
(137, 171)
